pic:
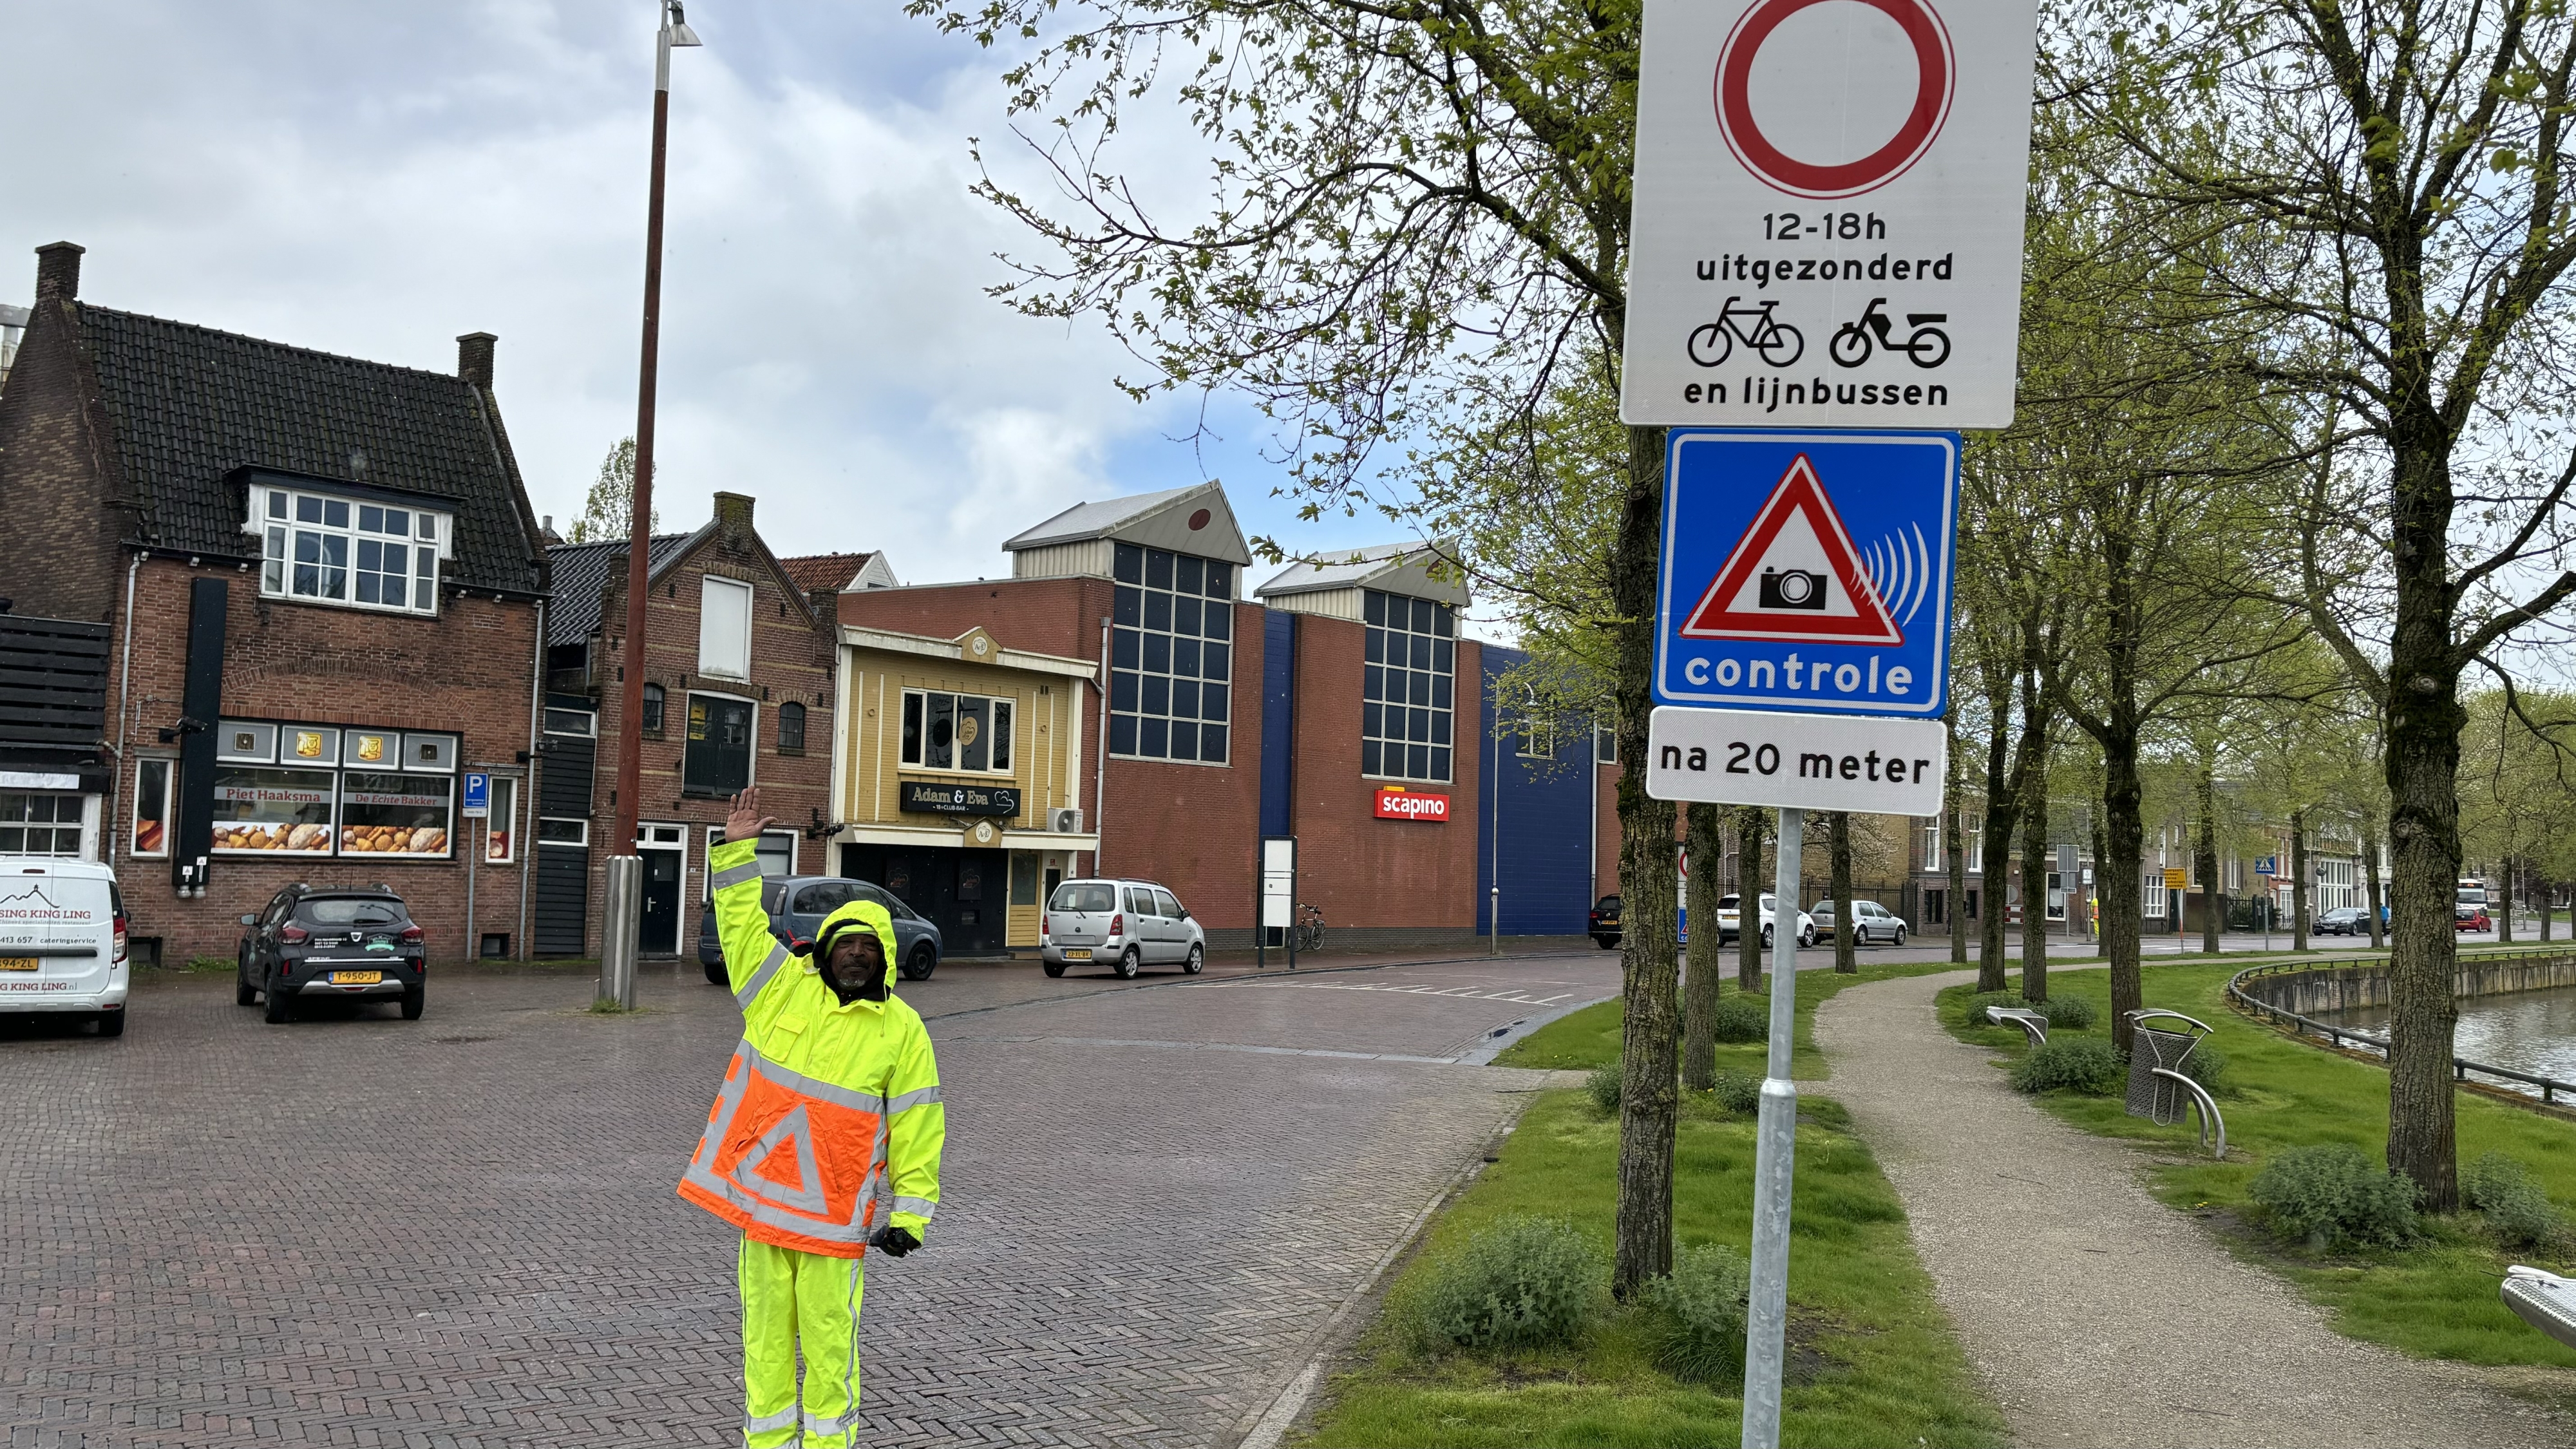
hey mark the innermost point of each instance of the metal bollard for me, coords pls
(620, 932)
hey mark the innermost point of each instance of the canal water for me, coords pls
(2529, 1031)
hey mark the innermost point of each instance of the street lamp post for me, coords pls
(620, 938)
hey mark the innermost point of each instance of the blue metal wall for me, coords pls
(1278, 719)
(1543, 809)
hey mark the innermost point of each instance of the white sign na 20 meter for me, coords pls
(1828, 219)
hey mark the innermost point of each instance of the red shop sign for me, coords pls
(1394, 802)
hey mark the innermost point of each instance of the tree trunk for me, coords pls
(1995, 854)
(2424, 720)
(2370, 867)
(2504, 905)
(2299, 882)
(2541, 888)
(2034, 876)
(2213, 905)
(1701, 975)
(1649, 1094)
(2124, 837)
(1838, 829)
(1750, 822)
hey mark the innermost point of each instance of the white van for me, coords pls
(62, 939)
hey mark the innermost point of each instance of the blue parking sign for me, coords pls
(478, 795)
(1807, 571)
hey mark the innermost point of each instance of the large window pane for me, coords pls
(1164, 673)
(1411, 638)
(394, 815)
(718, 756)
(274, 810)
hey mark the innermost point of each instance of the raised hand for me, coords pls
(744, 821)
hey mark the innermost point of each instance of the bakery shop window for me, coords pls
(333, 790)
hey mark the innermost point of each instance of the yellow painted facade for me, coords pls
(1053, 703)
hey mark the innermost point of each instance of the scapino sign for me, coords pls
(1828, 218)
(1394, 802)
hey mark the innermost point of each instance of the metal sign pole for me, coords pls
(1774, 1155)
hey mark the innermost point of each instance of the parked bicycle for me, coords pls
(1929, 346)
(1756, 327)
(1310, 929)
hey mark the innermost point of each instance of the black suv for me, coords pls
(321, 941)
(1604, 923)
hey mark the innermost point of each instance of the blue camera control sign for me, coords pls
(1807, 572)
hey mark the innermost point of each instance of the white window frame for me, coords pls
(1934, 862)
(277, 517)
(169, 799)
(84, 827)
(1972, 841)
(505, 815)
(1441, 713)
(2152, 898)
(572, 820)
(1605, 744)
(1537, 737)
(921, 753)
(761, 854)
(709, 627)
(590, 722)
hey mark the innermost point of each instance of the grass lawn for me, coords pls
(2437, 1300)
(1873, 1361)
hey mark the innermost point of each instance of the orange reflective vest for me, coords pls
(829, 1123)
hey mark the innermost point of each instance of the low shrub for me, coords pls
(2518, 1209)
(1524, 1282)
(2206, 1065)
(2072, 1013)
(1743, 1018)
(1737, 1092)
(2085, 1064)
(210, 965)
(2330, 1195)
(1603, 1085)
(1698, 1333)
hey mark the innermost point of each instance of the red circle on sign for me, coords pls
(1744, 136)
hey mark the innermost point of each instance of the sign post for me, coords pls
(1827, 236)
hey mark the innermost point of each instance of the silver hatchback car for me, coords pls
(1129, 924)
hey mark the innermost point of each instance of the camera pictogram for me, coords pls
(1792, 589)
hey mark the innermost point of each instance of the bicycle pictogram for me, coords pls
(1756, 327)
(1928, 345)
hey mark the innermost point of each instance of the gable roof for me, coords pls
(834, 571)
(1395, 568)
(188, 406)
(581, 571)
(1159, 520)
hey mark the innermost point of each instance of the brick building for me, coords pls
(738, 691)
(321, 583)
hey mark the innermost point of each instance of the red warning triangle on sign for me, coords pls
(1794, 577)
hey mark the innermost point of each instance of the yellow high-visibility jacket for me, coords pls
(829, 1120)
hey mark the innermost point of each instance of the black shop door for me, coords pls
(965, 893)
(661, 933)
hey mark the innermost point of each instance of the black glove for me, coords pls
(897, 1241)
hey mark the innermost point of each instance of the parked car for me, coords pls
(1131, 924)
(1730, 916)
(1870, 922)
(1605, 923)
(2470, 916)
(797, 905)
(62, 940)
(2344, 921)
(321, 942)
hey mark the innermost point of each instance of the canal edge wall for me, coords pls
(2325, 988)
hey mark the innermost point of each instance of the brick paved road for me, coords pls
(461, 1231)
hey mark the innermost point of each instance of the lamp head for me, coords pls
(675, 26)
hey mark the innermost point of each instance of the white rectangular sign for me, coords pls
(1872, 763)
(1828, 215)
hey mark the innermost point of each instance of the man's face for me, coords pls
(858, 957)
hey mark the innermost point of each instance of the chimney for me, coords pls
(58, 271)
(474, 359)
(733, 519)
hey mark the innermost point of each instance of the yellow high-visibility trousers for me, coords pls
(792, 1300)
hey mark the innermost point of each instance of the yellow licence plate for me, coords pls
(17, 963)
(1074, 955)
(356, 978)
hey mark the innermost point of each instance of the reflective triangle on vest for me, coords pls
(781, 1166)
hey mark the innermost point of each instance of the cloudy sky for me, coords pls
(375, 179)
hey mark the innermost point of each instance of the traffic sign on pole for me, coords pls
(1807, 572)
(1828, 215)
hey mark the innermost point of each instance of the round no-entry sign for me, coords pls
(1936, 79)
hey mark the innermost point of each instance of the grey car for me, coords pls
(1127, 924)
(797, 905)
(1870, 922)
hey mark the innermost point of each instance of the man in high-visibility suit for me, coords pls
(824, 1141)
